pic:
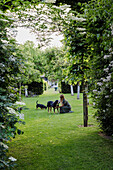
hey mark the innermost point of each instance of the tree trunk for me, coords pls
(26, 92)
(72, 94)
(85, 109)
(78, 90)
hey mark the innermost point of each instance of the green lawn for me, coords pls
(57, 141)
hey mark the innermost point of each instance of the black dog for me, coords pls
(40, 105)
(51, 104)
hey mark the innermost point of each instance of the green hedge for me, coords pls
(65, 88)
(35, 88)
(44, 86)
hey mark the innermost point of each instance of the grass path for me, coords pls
(57, 142)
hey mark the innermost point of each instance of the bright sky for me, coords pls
(23, 35)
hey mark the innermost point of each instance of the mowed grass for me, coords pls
(57, 141)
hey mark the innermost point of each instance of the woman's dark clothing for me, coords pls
(66, 108)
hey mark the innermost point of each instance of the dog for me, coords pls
(51, 104)
(40, 105)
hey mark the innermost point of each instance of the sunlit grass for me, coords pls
(57, 141)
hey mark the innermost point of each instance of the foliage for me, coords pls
(14, 4)
(45, 85)
(65, 88)
(75, 41)
(92, 50)
(99, 37)
(88, 42)
(62, 19)
(88, 37)
(10, 61)
(31, 67)
(54, 63)
(37, 63)
(35, 88)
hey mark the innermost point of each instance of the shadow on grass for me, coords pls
(56, 142)
(85, 151)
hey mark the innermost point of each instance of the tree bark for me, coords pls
(72, 94)
(78, 90)
(26, 92)
(85, 109)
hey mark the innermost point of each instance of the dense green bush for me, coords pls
(65, 88)
(100, 40)
(44, 86)
(36, 88)
(10, 61)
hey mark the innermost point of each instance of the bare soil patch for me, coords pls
(105, 136)
(87, 125)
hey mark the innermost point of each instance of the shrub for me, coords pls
(36, 88)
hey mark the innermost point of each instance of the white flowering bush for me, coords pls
(99, 37)
(103, 97)
(10, 61)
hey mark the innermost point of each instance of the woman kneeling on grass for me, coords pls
(65, 106)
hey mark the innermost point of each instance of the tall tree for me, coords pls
(55, 63)
(29, 72)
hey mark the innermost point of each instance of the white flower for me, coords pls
(12, 58)
(1, 12)
(107, 56)
(108, 105)
(20, 103)
(83, 33)
(108, 77)
(104, 80)
(94, 91)
(2, 144)
(99, 83)
(50, 1)
(65, 7)
(106, 69)
(111, 90)
(11, 94)
(2, 65)
(107, 96)
(111, 64)
(110, 49)
(4, 41)
(77, 19)
(12, 159)
(81, 29)
(103, 110)
(11, 110)
(21, 116)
